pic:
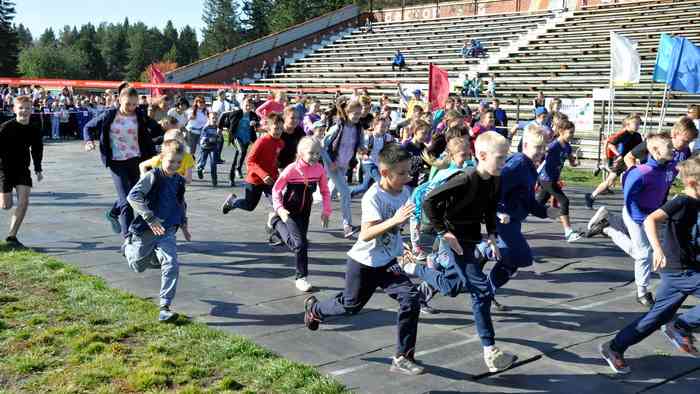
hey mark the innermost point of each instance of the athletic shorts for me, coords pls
(618, 168)
(11, 177)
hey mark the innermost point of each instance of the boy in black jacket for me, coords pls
(456, 209)
(242, 126)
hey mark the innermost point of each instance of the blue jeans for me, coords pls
(147, 250)
(465, 274)
(371, 173)
(208, 155)
(674, 289)
(519, 253)
(125, 174)
(339, 179)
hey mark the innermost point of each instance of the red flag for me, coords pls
(438, 87)
(156, 77)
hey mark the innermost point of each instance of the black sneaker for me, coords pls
(589, 200)
(646, 300)
(427, 309)
(232, 184)
(427, 292)
(227, 206)
(13, 242)
(200, 174)
(310, 320)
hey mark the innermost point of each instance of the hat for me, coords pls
(417, 92)
(484, 103)
(540, 111)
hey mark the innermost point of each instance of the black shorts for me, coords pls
(10, 178)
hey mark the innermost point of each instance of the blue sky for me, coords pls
(37, 15)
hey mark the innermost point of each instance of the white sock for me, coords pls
(641, 291)
(409, 268)
(488, 349)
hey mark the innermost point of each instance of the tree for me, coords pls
(114, 51)
(24, 36)
(169, 36)
(187, 46)
(172, 55)
(288, 13)
(47, 62)
(48, 38)
(221, 30)
(87, 43)
(255, 18)
(140, 54)
(8, 39)
(68, 36)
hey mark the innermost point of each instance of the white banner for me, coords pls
(625, 63)
(580, 112)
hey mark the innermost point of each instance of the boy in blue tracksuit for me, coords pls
(677, 256)
(517, 201)
(158, 202)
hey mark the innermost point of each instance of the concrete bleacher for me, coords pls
(564, 56)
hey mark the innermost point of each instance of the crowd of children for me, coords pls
(442, 172)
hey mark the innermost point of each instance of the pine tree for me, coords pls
(287, 13)
(114, 51)
(221, 30)
(24, 37)
(68, 36)
(187, 46)
(48, 38)
(172, 55)
(169, 36)
(255, 18)
(95, 67)
(8, 39)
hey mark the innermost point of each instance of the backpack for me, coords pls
(422, 190)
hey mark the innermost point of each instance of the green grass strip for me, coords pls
(64, 331)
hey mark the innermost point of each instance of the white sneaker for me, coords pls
(572, 236)
(498, 360)
(600, 214)
(303, 285)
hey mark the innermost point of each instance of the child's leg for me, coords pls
(139, 251)
(244, 152)
(341, 185)
(617, 231)
(293, 234)
(212, 167)
(360, 283)
(519, 252)
(251, 199)
(447, 281)
(166, 251)
(478, 286)
(669, 297)
(400, 288)
(605, 185)
(366, 179)
(203, 157)
(641, 251)
(558, 193)
(124, 175)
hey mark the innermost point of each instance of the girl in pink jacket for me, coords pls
(292, 198)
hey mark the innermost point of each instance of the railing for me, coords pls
(262, 45)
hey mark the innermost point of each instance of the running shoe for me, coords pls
(615, 360)
(405, 366)
(310, 320)
(681, 339)
(227, 206)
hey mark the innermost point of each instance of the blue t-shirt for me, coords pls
(554, 161)
(243, 131)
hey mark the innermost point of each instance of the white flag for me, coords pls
(625, 64)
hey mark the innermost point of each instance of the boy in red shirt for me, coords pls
(262, 167)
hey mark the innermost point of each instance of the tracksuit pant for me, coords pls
(293, 234)
(148, 251)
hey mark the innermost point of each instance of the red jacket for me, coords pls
(262, 159)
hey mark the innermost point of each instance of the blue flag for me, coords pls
(663, 57)
(684, 73)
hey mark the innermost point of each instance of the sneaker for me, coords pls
(681, 339)
(419, 254)
(589, 200)
(427, 291)
(405, 366)
(572, 236)
(500, 307)
(13, 242)
(615, 360)
(646, 300)
(303, 285)
(350, 231)
(270, 218)
(310, 320)
(427, 309)
(232, 184)
(498, 360)
(221, 161)
(599, 215)
(200, 174)
(166, 315)
(227, 206)
(240, 173)
(113, 221)
(597, 229)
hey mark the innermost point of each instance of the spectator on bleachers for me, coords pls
(491, 89)
(465, 50)
(399, 61)
(476, 49)
(539, 101)
(500, 116)
(368, 25)
(464, 109)
(472, 87)
(280, 65)
(265, 70)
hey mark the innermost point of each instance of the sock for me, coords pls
(409, 268)
(568, 231)
(641, 291)
(488, 349)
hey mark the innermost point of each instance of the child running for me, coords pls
(17, 138)
(558, 152)
(159, 206)
(375, 142)
(186, 165)
(209, 142)
(456, 209)
(292, 198)
(677, 256)
(261, 165)
(618, 145)
(372, 261)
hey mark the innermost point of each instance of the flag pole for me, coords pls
(664, 104)
(646, 111)
(611, 90)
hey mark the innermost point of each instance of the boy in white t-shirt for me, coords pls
(372, 261)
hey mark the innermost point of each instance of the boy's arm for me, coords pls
(90, 129)
(137, 198)
(634, 184)
(434, 203)
(651, 224)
